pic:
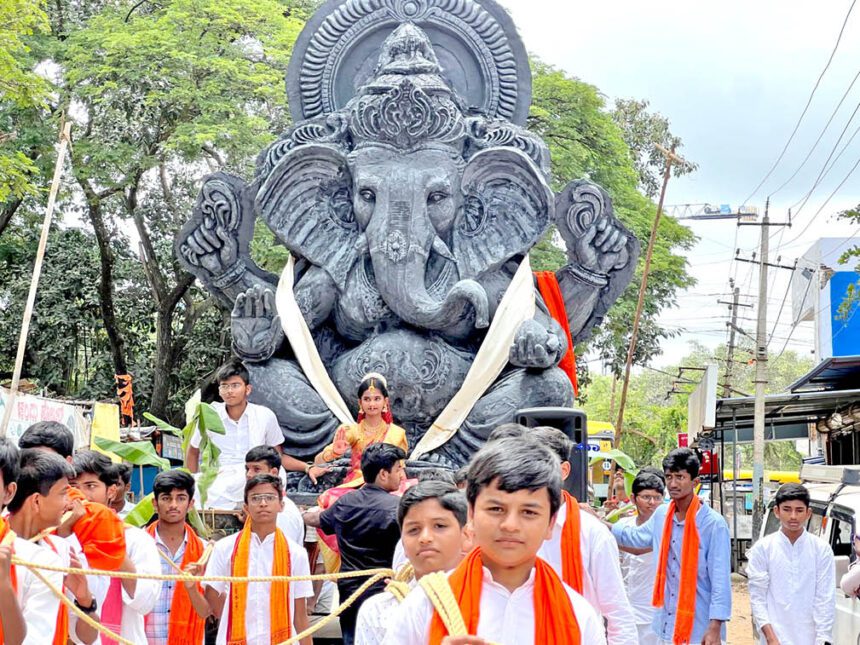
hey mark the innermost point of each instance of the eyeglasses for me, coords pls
(259, 500)
(653, 499)
(230, 387)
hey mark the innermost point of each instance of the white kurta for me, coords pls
(141, 550)
(603, 585)
(506, 618)
(260, 562)
(793, 588)
(374, 616)
(38, 603)
(291, 523)
(258, 426)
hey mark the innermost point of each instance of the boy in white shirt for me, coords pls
(265, 460)
(432, 517)
(505, 593)
(257, 613)
(792, 579)
(127, 600)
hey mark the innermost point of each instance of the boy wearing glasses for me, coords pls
(638, 564)
(257, 613)
(246, 426)
(791, 574)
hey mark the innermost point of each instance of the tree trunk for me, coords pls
(7, 210)
(165, 362)
(107, 260)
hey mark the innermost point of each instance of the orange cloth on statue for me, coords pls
(279, 596)
(4, 531)
(571, 555)
(547, 284)
(185, 627)
(555, 620)
(101, 533)
(686, 609)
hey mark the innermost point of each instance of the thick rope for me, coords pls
(80, 614)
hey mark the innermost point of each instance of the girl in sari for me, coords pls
(375, 425)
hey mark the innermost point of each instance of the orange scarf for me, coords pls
(555, 620)
(279, 596)
(185, 627)
(101, 533)
(571, 555)
(686, 608)
(61, 633)
(547, 284)
(13, 575)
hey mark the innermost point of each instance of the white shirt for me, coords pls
(374, 616)
(399, 558)
(639, 574)
(793, 587)
(291, 523)
(260, 562)
(505, 618)
(127, 508)
(141, 550)
(602, 583)
(38, 603)
(258, 426)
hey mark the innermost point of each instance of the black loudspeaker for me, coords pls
(574, 424)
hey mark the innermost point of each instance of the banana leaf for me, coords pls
(141, 513)
(618, 513)
(163, 425)
(206, 420)
(139, 453)
(619, 457)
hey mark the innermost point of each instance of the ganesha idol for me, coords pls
(409, 216)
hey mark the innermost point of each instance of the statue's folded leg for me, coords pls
(307, 423)
(514, 390)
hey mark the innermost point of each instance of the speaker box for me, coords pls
(574, 424)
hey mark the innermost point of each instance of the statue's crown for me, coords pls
(407, 103)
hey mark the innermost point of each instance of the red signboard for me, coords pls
(683, 440)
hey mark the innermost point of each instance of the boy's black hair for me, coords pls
(123, 471)
(682, 460)
(49, 434)
(169, 480)
(647, 481)
(264, 453)
(654, 471)
(460, 475)
(95, 463)
(257, 480)
(230, 369)
(791, 493)
(436, 475)
(515, 464)
(507, 431)
(554, 439)
(378, 457)
(9, 458)
(39, 471)
(448, 496)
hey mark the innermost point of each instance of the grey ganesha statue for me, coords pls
(409, 212)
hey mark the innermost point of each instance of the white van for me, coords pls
(835, 500)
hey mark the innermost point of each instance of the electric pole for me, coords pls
(730, 350)
(760, 380)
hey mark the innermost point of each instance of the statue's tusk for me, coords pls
(441, 248)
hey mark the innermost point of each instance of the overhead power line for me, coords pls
(806, 108)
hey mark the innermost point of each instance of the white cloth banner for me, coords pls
(28, 409)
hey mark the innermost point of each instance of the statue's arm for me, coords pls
(214, 244)
(601, 255)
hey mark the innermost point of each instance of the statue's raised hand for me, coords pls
(534, 346)
(603, 246)
(255, 324)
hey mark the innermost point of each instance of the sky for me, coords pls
(732, 78)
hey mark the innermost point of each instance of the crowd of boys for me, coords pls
(500, 554)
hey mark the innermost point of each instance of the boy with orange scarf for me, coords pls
(257, 613)
(692, 589)
(38, 504)
(174, 619)
(504, 592)
(582, 553)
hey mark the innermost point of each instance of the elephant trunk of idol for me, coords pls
(400, 243)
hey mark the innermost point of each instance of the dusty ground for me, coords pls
(740, 628)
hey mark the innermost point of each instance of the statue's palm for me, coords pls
(255, 323)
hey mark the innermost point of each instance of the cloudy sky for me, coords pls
(733, 78)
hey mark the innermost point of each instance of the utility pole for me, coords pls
(760, 379)
(671, 158)
(730, 350)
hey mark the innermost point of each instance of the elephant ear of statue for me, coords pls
(307, 202)
(507, 207)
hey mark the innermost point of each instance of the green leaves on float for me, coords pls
(139, 453)
(143, 511)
